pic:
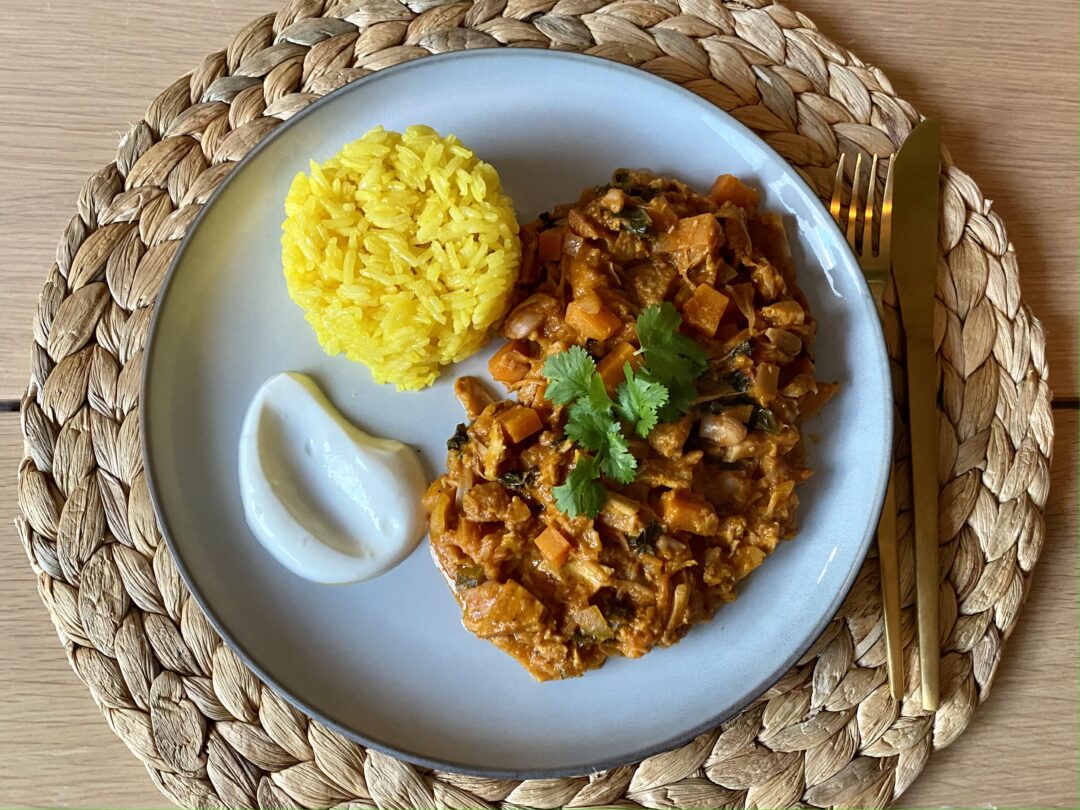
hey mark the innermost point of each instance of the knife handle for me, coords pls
(922, 379)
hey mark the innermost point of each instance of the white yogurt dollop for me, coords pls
(330, 502)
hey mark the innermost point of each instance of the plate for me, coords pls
(387, 662)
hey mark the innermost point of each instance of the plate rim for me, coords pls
(675, 741)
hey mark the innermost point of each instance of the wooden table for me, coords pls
(1003, 75)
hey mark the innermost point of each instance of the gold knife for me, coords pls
(915, 250)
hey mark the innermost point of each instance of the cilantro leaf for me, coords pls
(598, 431)
(597, 396)
(671, 357)
(582, 493)
(616, 461)
(681, 397)
(588, 427)
(639, 400)
(569, 375)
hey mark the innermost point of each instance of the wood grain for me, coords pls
(75, 73)
(1020, 750)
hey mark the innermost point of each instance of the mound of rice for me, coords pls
(402, 251)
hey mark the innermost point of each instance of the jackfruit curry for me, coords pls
(658, 353)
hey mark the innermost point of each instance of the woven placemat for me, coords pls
(209, 732)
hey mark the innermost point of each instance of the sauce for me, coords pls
(330, 502)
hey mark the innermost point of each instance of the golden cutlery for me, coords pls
(875, 266)
(915, 231)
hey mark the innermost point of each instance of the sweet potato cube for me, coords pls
(550, 244)
(520, 422)
(705, 309)
(508, 364)
(691, 241)
(728, 188)
(684, 511)
(591, 319)
(611, 365)
(553, 545)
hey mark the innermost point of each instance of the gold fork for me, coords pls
(876, 267)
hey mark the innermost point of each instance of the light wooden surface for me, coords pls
(1005, 81)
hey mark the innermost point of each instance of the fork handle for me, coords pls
(889, 560)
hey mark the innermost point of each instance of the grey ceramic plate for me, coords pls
(388, 662)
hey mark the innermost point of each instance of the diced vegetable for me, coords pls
(582, 225)
(553, 545)
(691, 241)
(613, 200)
(684, 511)
(520, 422)
(508, 365)
(705, 309)
(593, 624)
(591, 574)
(591, 319)
(728, 188)
(766, 378)
(746, 558)
(611, 366)
(815, 401)
(550, 244)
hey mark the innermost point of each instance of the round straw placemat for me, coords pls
(827, 734)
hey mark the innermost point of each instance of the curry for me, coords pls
(686, 505)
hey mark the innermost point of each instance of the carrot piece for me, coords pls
(728, 188)
(705, 309)
(550, 244)
(520, 422)
(591, 319)
(553, 545)
(611, 365)
(508, 365)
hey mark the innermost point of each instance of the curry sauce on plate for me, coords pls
(710, 492)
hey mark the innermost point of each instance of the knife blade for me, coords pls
(915, 251)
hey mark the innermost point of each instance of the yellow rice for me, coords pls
(402, 250)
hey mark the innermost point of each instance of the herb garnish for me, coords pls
(636, 220)
(763, 419)
(645, 541)
(663, 390)
(516, 481)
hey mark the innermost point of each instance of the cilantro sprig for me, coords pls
(671, 358)
(662, 391)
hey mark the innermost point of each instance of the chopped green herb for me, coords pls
(645, 541)
(517, 481)
(672, 358)
(764, 419)
(639, 400)
(742, 348)
(739, 381)
(636, 220)
(569, 375)
(582, 494)
(469, 576)
(459, 439)
(617, 612)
